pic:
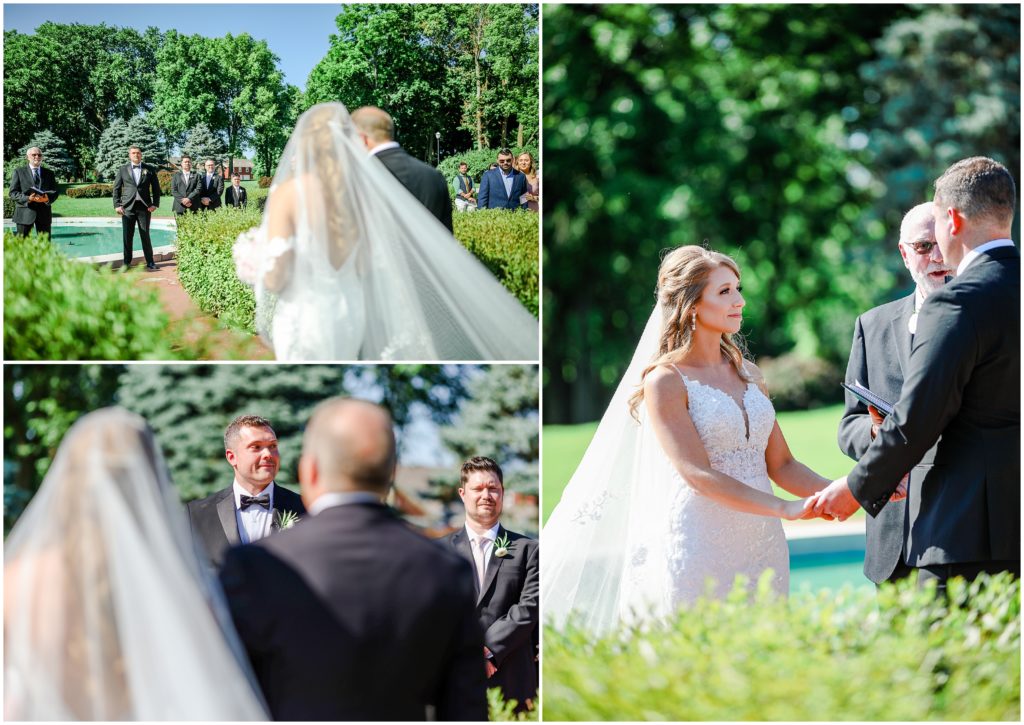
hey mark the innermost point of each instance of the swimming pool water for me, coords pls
(91, 241)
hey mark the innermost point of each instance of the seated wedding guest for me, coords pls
(882, 339)
(252, 506)
(462, 184)
(503, 187)
(235, 195)
(525, 164)
(351, 614)
(108, 612)
(508, 582)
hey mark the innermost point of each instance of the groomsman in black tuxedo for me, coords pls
(235, 195)
(185, 188)
(377, 130)
(878, 359)
(961, 394)
(353, 614)
(252, 506)
(507, 571)
(136, 197)
(211, 186)
(31, 206)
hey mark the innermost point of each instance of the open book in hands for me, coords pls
(868, 398)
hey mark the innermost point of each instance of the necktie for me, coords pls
(480, 554)
(35, 176)
(247, 501)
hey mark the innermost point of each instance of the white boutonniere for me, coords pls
(287, 520)
(502, 545)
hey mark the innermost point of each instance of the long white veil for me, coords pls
(425, 297)
(108, 612)
(604, 544)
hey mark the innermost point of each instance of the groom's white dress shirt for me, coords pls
(330, 500)
(384, 147)
(482, 546)
(979, 250)
(254, 522)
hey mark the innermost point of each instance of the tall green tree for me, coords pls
(55, 156)
(112, 152)
(201, 143)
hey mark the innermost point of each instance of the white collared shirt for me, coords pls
(384, 147)
(137, 175)
(507, 180)
(490, 535)
(338, 498)
(255, 522)
(979, 250)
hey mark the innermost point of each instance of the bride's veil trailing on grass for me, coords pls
(109, 613)
(604, 544)
(425, 296)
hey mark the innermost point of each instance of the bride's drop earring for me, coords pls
(693, 321)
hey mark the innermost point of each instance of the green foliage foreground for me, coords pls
(508, 243)
(897, 655)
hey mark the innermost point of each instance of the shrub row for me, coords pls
(205, 266)
(164, 177)
(850, 655)
(265, 182)
(8, 207)
(508, 243)
(796, 382)
(90, 191)
(59, 309)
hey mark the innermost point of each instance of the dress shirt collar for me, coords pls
(491, 534)
(239, 492)
(979, 250)
(330, 500)
(918, 299)
(510, 174)
(384, 147)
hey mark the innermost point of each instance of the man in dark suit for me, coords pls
(185, 188)
(353, 614)
(961, 394)
(235, 195)
(508, 582)
(878, 358)
(252, 506)
(503, 187)
(33, 189)
(136, 197)
(423, 181)
(211, 186)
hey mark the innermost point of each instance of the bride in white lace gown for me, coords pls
(348, 265)
(673, 498)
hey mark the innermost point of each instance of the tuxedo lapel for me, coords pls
(493, 564)
(226, 514)
(901, 333)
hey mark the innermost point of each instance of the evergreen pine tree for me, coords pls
(202, 143)
(55, 154)
(118, 137)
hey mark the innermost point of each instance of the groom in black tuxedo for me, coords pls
(352, 614)
(377, 130)
(878, 359)
(507, 571)
(252, 506)
(136, 197)
(961, 394)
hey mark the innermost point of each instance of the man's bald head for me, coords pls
(918, 224)
(352, 444)
(374, 123)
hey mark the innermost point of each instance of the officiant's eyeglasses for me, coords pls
(922, 248)
(35, 155)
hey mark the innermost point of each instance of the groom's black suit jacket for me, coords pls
(962, 389)
(508, 611)
(878, 359)
(354, 615)
(215, 527)
(422, 180)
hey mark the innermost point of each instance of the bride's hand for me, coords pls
(802, 508)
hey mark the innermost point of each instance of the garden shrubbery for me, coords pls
(205, 266)
(9, 206)
(796, 382)
(164, 177)
(90, 191)
(848, 655)
(59, 309)
(265, 182)
(507, 242)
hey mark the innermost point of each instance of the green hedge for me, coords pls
(59, 309)
(507, 242)
(851, 655)
(9, 206)
(90, 191)
(206, 269)
(265, 182)
(796, 382)
(165, 178)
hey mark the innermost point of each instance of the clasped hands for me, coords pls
(836, 501)
(39, 198)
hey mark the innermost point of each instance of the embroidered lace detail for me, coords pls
(592, 510)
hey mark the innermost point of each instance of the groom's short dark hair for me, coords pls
(480, 463)
(978, 187)
(243, 421)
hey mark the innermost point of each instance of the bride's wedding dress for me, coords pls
(630, 541)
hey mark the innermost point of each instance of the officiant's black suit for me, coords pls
(135, 211)
(215, 526)
(32, 213)
(878, 359)
(353, 615)
(963, 384)
(508, 611)
(422, 180)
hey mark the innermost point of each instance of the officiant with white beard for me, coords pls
(252, 506)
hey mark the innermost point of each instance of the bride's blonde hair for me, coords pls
(682, 278)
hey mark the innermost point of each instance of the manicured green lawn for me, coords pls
(65, 206)
(811, 436)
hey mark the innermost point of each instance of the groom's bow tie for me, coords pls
(247, 501)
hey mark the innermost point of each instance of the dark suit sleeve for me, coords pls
(484, 194)
(196, 191)
(944, 355)
(855, 426)
(446, 205)
(16, 192)
(244, 602)
(515, 629)
(118, 184)
(462, 692)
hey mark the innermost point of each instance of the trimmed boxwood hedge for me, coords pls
(508, 243)
(90, 191)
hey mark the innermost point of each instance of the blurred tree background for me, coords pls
(790, 137)
(189, 406)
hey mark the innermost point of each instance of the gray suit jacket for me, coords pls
(878, 359)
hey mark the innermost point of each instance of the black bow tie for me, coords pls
(247, 501)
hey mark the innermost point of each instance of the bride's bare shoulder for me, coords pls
(664, 383)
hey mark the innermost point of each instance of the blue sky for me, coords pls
(297, 34)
